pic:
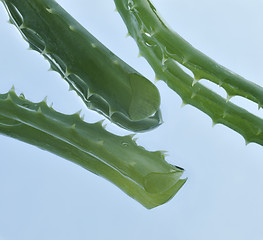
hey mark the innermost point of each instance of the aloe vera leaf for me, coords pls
(151, 28)
(104, 82)
(140, 17)
(143, 175)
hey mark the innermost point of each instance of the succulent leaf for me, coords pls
(104, 82)
(164, 49)
(143, 175)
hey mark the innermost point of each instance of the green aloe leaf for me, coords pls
(164, 49)
(103, 81)
(143, 175)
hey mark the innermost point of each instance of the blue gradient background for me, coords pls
(45, 197)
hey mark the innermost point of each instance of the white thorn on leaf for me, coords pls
(50, 10)
(213, 124)
(183, 104)
(184, 61)
(72, 28)
(164, 59)
(82, 117)
(45, 99)
(104, 125)
(228, 98)
(10, 21)
(22, 26)
(22, 96)
(195, 81)
(67, 73)
(39, 110)
(78, 112)
(44, 52)
(247, 142)
(100, 142)
(12, 88)
(132, 136)
(259, 132)
(193, 95)
(70, 88)
(156, 79)
(89, 93)
(164, 68)
(100, 122)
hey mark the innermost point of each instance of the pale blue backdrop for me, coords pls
(45, 197)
